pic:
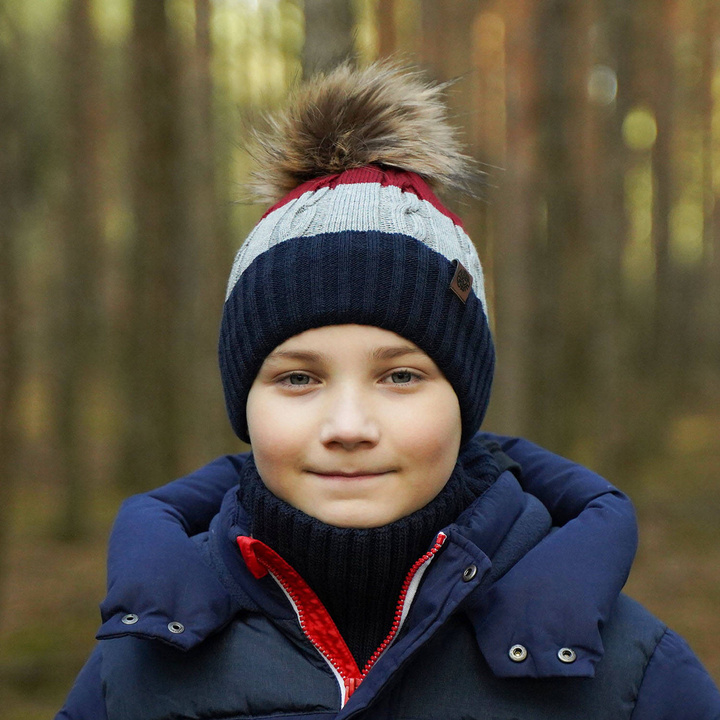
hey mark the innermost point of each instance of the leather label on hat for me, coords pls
(462, 281)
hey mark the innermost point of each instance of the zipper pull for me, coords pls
(351, 685)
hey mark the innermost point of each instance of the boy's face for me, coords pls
(353, 425)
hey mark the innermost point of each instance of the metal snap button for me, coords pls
(469, 573)
(176, 627)
(130, 619)
(518, 653)
(567, 655)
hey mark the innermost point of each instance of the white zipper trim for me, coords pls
(409, 597)
(412, 591)
(407, 603)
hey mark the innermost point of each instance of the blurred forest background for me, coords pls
(122, 125)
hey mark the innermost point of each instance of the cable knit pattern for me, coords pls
(362, 207)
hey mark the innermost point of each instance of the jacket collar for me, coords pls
(534, 593)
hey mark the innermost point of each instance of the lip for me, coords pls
(340, 475)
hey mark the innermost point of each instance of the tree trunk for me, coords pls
(329, 26)
(665, 343)
(204, 415)
(75, 338)
(517, 232)
(561, 333)
(154, 366)
(11, 185)
(709, 29)
(387, 33)
(604, 204)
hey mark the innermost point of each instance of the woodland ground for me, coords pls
(49, 612)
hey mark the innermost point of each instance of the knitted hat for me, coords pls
(357, 235)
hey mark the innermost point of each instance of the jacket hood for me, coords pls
(545, 589)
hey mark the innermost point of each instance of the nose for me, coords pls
(349, 420)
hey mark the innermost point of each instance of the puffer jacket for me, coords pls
(514, 612)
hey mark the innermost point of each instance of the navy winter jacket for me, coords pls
(504, 617)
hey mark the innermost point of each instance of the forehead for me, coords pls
(339, 340)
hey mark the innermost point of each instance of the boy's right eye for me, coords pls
(299, 379)
(296, 379)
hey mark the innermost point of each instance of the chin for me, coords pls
(356, 519)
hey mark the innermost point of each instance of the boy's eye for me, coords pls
(401, 377)
(296, 379)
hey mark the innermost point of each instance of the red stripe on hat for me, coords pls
(406, 181)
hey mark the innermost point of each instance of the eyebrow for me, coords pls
(394, 351)
(380, 353)
(302, 355)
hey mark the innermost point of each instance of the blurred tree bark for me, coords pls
(518, 225)
(329, 26)
(448, 41)
(153, 365)
(451, 47)
(708, 29)
(387, 35)
(689, 273)
(659, 17)
(12, 188)
(75, 308)
(604, 165)
(208, 244)
(561, 335)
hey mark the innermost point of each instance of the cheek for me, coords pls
(274, 436)
(432, 432)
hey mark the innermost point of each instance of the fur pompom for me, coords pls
(382, 115)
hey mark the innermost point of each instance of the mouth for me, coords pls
(354, 475)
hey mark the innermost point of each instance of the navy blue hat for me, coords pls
(359, 248)
(357, 236)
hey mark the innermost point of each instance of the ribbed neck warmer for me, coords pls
(358, 573)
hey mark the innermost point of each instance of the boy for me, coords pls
(373, 557)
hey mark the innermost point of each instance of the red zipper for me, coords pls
(349, 683)
(439, 542)
(261, 559)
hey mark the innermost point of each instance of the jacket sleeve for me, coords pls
(86, 700)
(585, 506)
(676, 685)
(563, 486)
(164, 519)
(587, 510)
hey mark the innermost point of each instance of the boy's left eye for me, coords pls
(401, 377)
(296, 379)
